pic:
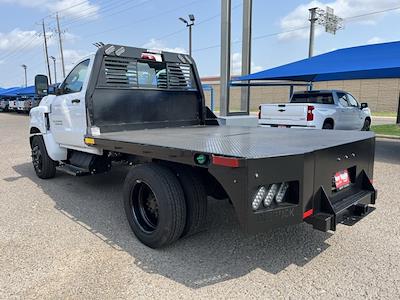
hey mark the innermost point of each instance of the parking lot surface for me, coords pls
(68, 238)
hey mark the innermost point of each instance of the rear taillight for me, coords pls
(259, 112)
(310, 115)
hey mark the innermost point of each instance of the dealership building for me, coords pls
(382, 95)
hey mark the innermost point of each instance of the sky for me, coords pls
(280, 30)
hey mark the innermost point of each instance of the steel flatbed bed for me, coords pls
(240, 142)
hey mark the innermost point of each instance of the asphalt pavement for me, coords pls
(67, 237)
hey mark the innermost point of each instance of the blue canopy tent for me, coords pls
(10, 92)
(364, 62)
(28, 91)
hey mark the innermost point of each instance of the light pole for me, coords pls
(26, 80)
(313, 18)
(189, 24)
(326, 18)
(55, 69)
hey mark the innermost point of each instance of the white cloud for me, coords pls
(71, 57)
(74, 8)
(236, 65)
(375, 40)
(155, 44)
(70, 8)
(19, 39)
(343, 8)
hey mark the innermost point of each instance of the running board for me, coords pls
(73, 170)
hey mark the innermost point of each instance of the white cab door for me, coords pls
(68, 112)
(345, 113)
(358, 116)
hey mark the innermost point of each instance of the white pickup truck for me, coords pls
(324, 109)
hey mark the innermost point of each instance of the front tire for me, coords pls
(154, 204)
(367, 125)
(44, 166)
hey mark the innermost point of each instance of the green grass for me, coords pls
(384, 114)
(386, 129)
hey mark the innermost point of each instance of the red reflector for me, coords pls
(308, 213)
(148, 56)
(225, 161)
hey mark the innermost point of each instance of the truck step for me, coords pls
(73, 170)
(349, 201)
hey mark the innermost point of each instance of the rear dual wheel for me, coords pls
(163, 204)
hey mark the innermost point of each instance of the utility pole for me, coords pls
(55, 68)
(313, 19)
(225, 68)
(61, 47)
(46, 51)
(26, 79)
(246, 53)
(189, 24)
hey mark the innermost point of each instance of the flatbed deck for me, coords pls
(241, 142)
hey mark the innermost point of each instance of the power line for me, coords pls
(299, 28)
(197, 24)
(106, 8)
(143, 19)
(373, 13)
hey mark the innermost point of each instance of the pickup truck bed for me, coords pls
(240, 142)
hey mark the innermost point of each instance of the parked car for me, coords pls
(13, 104)
(3, 104)
(324, 109)
(24, 104)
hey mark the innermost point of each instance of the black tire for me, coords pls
(367, 125)
(327, 125)
(154, 204)
(196, 199)
(44, 166)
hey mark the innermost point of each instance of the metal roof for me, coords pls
(363, 62)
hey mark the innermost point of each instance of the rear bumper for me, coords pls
(348, 210)
(311, 198)
(287, 126)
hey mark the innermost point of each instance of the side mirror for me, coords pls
(41, 85)
(364, 105)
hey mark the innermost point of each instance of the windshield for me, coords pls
(318, 98)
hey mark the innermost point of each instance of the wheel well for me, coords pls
(329, 121)
(33, 130)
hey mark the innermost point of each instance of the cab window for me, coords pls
(74, 81)
(343, 99)
(352, 101)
